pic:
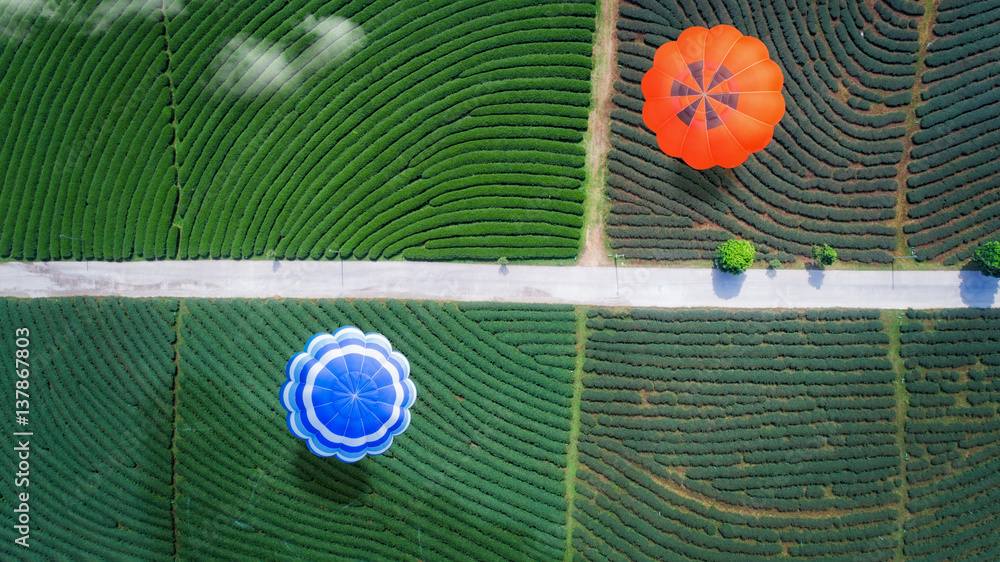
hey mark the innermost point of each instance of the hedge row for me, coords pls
(177, 145)
(953, 448)
(743, 408)
(952, 169)
(829, 175)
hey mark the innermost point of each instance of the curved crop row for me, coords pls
(485, 452)
(952, 434)
(420, 115)
(715, 435)
(235, 129)
(99, 403)
(829, 175)
(952, 189)
(86, 170)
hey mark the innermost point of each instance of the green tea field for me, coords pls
(952, 434)
(101, 409)
(431, 130)
(159, 434)
(474, 130)
(797, 415)
(481, 468)
(887, 143)
(540, 432)
(716, 435)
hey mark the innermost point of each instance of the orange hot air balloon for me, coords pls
(713, 97)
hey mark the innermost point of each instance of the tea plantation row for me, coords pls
(952, 434)
(432, 130)
(952, 187)
(703, 434)
(829, 176)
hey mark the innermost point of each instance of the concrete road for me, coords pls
(630, 286)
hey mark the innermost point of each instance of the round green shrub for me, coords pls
(824, 255)
(735, 256)
(988, 257)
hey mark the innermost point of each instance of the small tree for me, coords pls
(503, 261)
(988, 257)
(774, 263)
(824, 255)
(735, 256)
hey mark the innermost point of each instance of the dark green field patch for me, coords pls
(479, 473)
(952, 434)
(705, 434)
(952, 188)
(716, 435)
(830, 175)
(101, 410)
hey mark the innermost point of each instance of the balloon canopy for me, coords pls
(348, 394)
(713, 97)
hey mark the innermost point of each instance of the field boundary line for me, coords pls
(174, 222)
(597, 139)
(572, 453)
(893, 320)
(172, 252)
(912, 126)
(178, 323)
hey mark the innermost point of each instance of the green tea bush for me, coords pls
(952, 171)
(787, 411)
(952, 490)
(167, 148)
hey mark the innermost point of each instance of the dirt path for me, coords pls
(598, 139)
(912, 126)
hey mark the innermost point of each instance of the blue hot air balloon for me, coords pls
(348, 394)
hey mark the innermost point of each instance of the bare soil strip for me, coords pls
(912, 126)
(892, 320)
(598, 139)
(572, 453)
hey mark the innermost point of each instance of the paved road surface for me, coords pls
(635, 286)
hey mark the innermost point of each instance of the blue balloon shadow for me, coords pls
(727, 285)
(977, 290)
(337, 483)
